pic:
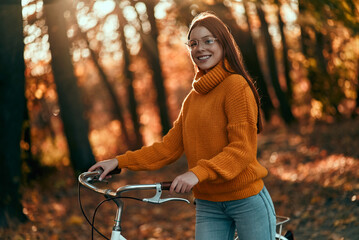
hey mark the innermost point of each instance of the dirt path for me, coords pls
(314, 179)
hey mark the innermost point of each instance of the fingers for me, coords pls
(173, 185)
(172, 188)
(178, 186)
(188, 189)
(182, 188)
(184, 183)
(94, 167)
(106, 165)
(104, 174)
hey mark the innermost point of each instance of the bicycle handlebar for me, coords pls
(87, 178)
(166, 185)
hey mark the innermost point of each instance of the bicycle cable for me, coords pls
(83, 212)
(92, 224)
(102, 202)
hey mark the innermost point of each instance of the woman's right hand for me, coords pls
(106, 165)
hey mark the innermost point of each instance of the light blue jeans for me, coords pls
(253, 217)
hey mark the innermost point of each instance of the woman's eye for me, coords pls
(209, 41)
(193, 43)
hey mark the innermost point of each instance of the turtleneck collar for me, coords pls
(205, 82)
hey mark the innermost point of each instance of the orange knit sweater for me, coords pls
(216, 129)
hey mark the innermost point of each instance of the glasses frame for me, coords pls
(198, 41)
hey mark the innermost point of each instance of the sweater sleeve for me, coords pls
(158, 154)
(241, 112)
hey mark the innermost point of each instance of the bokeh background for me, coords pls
(83, 81)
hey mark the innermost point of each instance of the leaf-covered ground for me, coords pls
(314, 179)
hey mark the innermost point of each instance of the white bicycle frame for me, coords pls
(280, 221)
(87, 178)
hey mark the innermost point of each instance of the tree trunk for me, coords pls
(356, 109)
(117, 109)
(151, 48)
(33, 165)
(129, 77)
(324, 85)
(70, 102)
(286, 62)
(332, 92)
(12, 108)
(284, 106)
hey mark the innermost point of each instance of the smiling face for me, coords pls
(206, 54)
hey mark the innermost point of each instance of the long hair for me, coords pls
(230, 50)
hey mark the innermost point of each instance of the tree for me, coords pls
(286, 62)
(12, 108)
(129, 77)
(250, 54)
(117, 110)
(315, 39)
(70, 102)
(150, 45)
(356, 112)
(345, 11)
(284, 106)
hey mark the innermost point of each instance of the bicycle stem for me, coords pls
(116, 230)
(117, 226)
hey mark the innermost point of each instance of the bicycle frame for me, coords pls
(280, 221)
(87, 178)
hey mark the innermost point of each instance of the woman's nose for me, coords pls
(200, 46)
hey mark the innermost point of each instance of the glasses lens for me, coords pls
(209, 40)
(192, 44)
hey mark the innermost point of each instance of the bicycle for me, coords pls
(88, 178)
(279, 224)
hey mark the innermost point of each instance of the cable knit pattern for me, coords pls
(211, 79)
(217, 131)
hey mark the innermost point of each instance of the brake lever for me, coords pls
(157, 198)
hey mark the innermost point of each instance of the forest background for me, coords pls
(82, 81)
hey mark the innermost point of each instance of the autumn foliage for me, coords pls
(112, 75)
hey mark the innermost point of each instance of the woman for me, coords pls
(217, 129)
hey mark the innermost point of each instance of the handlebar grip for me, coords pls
(115, 171)
(166, 185)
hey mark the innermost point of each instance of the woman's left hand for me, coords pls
(184, 183)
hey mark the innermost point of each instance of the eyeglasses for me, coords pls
(207, 42)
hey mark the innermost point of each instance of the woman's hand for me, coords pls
(106, 165)
(184, 183)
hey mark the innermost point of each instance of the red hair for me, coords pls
(230, 49)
